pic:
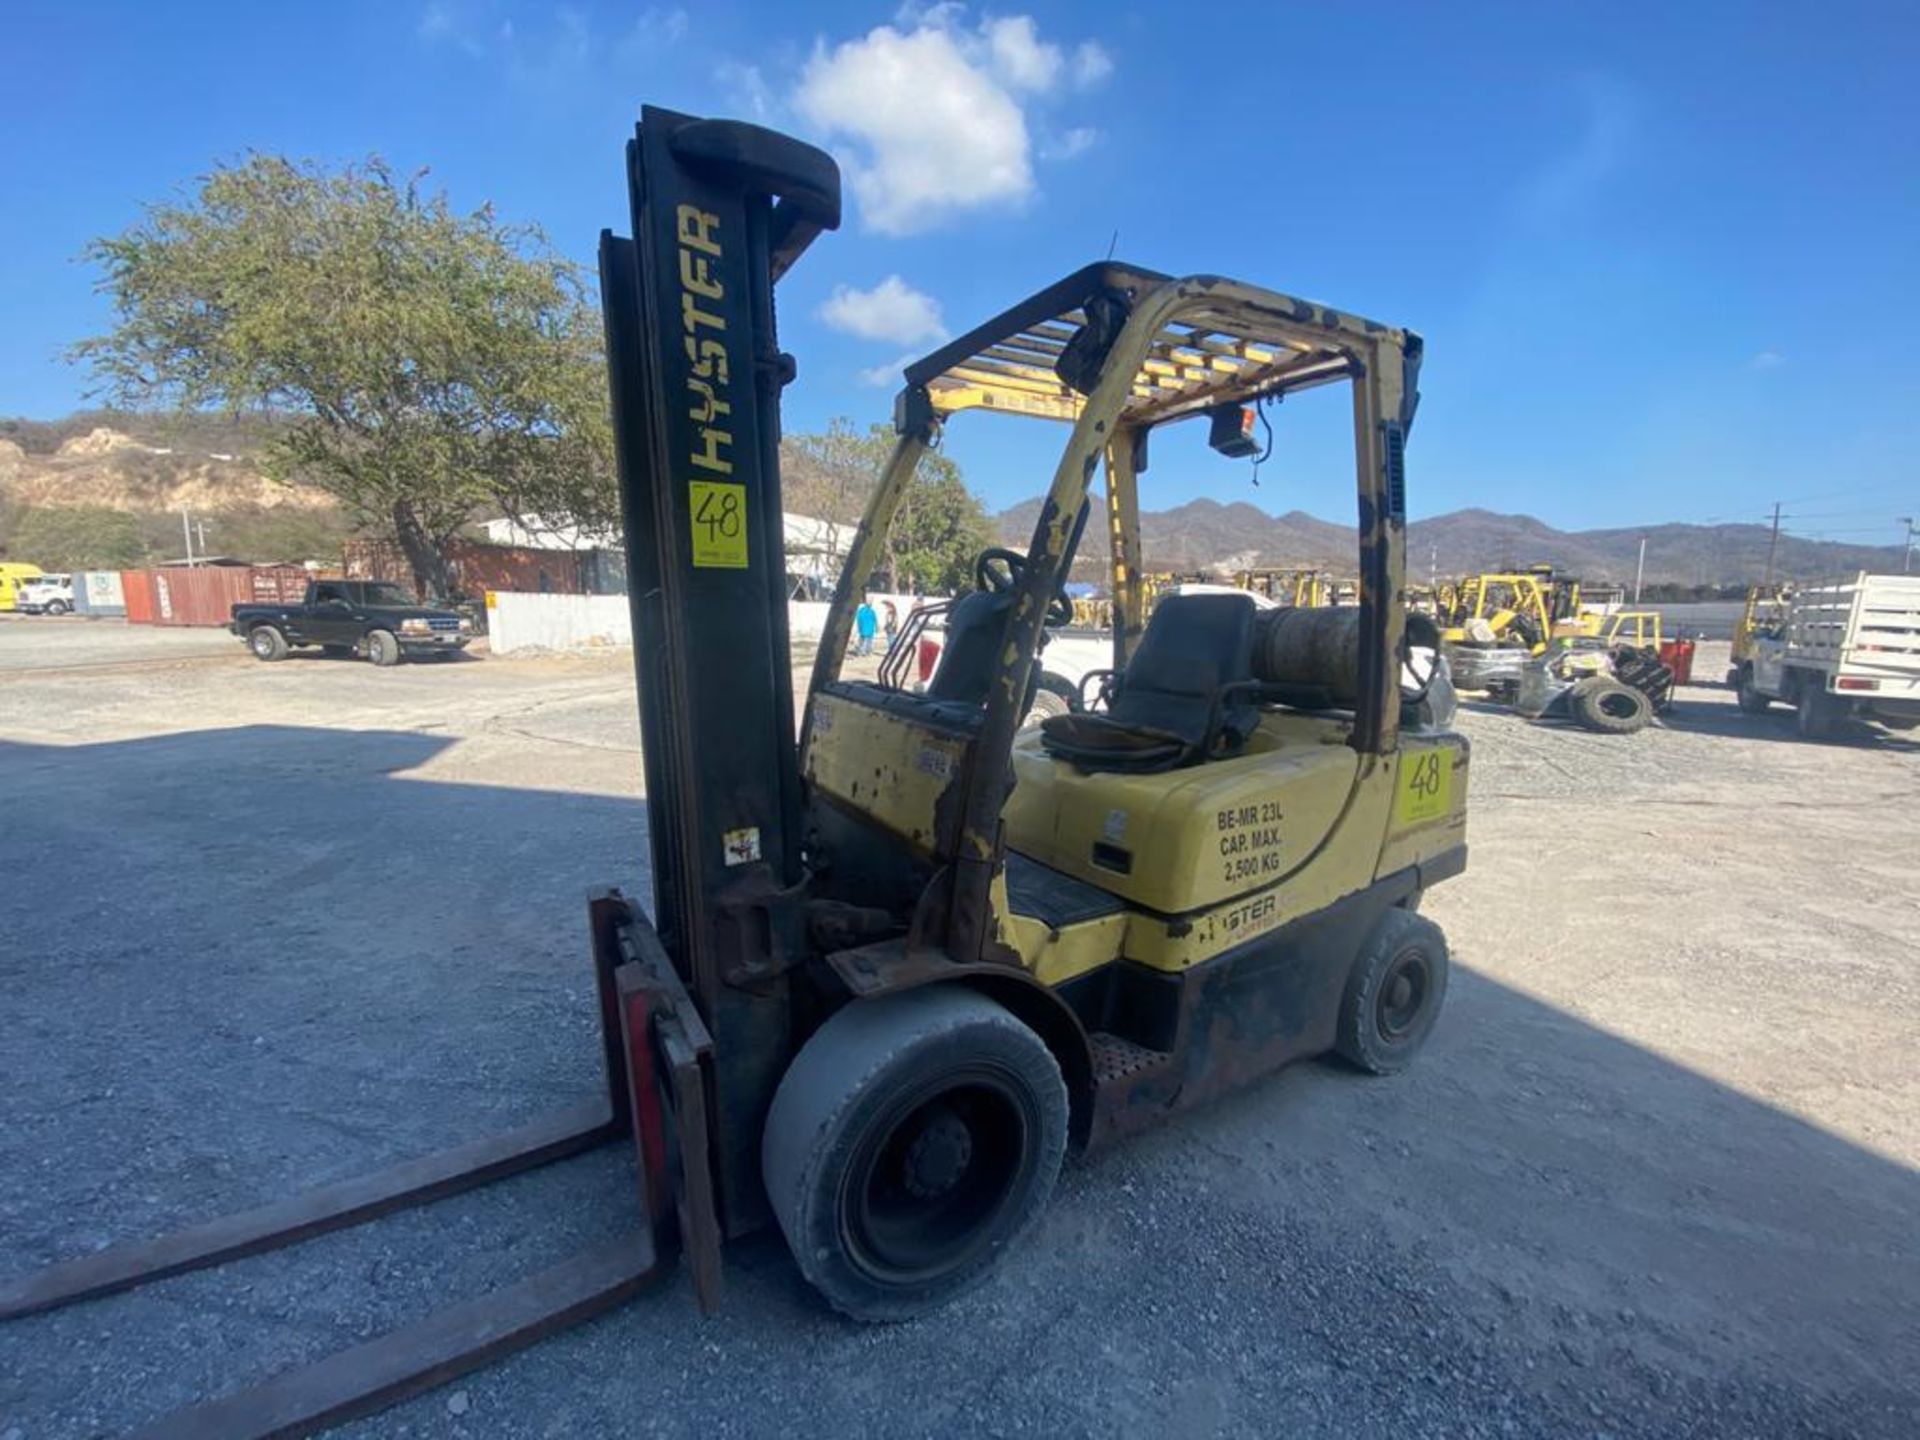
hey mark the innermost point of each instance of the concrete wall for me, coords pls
(517, 620)
(522, 621)
(806, 619)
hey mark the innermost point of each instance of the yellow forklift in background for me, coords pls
(1765, 610)
(1306, 589)
(1514, 608)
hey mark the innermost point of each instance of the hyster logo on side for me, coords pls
(718, 506)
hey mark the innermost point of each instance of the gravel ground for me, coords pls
(272, 925)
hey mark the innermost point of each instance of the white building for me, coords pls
(814, 547)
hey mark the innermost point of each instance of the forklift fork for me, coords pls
(658, 1060)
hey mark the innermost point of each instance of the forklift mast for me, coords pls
(720, 211)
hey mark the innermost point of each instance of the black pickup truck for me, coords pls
(373, 618)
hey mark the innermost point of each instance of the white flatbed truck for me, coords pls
(1849, 648)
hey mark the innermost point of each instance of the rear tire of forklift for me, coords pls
(1750, 700)
(1610, 708)
(382, 649)
(1394, 994)
(912, 1142)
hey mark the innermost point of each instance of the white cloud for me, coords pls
(556, 49)
(651, 31)
(881, 377)
(930, 133)
(892, 310)
(1572, 182)
(1076, 141)
(1091, 64)
(929, 116)
(747, 91)
(1019, 56)
(1767, 360)
(443, 23)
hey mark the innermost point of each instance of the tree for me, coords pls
(940, 527)
(429, 363)
(83, 537)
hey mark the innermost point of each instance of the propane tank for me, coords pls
(1317, 647)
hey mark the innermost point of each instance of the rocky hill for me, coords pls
(138, 464)
(153, 467)
(1206, 535)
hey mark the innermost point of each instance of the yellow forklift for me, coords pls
(1527, 608)
(1306, 589)
(893, 973)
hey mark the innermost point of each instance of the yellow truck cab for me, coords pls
(12, 577)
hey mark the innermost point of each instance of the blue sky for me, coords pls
(1666, 256)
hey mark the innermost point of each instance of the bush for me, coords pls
(84, 537)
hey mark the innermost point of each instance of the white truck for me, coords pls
(1851, 647)
(45, 595)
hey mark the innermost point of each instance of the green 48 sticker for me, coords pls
(1425, 787)
(719, 525)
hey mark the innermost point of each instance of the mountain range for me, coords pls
(1205, 535)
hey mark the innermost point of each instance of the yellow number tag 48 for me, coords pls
(1425, 787)
(719, 525)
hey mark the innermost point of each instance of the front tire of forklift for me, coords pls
(1750, 700)
(1394, 994)
(912, 1142)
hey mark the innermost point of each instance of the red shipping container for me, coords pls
(476, 568)
(138, 587)
(200, 595)
(278, 585)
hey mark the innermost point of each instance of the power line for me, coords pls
(1850, 492)
(1827, 534)
(1837, 514)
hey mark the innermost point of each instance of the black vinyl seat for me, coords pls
(1186, 695)
(975, 627)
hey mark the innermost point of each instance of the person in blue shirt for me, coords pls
(865, 622)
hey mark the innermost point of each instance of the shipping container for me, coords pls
(99, 592)
(278, 585)
(136, 586)
(200, 595)
(478, 568)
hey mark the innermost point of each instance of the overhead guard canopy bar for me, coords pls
(1236, 352)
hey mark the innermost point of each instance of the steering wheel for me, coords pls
(999, 570)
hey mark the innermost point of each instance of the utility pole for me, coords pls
(186, 529)
(1906, 556)
(1639, 570)
(200, 529)
(1773, 546)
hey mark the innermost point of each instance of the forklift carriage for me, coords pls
(895, 970)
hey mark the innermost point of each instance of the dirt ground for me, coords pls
(267, 925)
